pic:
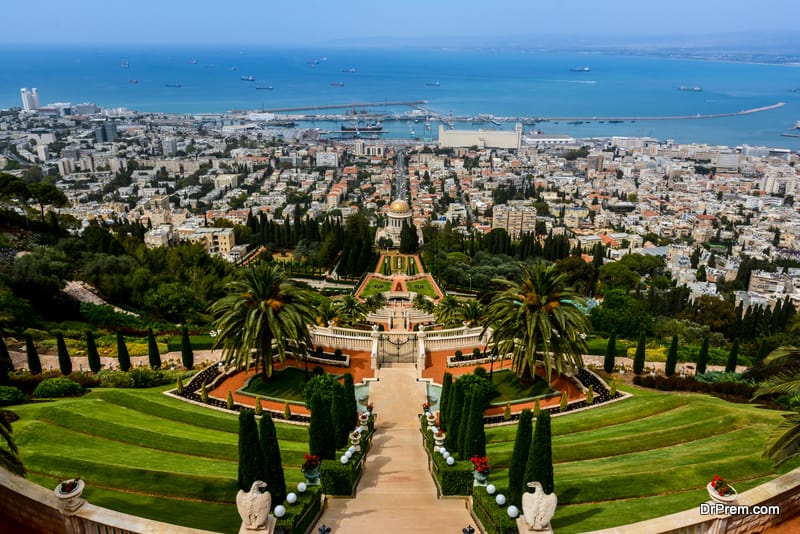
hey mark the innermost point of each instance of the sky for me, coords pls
(350, 22)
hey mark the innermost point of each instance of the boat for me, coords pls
(133, 81)
(267, 87)
(337, 84)
(580, 69)
(363, 126)
(690, 88)
(193, 62)
(432, 84)
(250, 78)
(172, 85)
(286, 123)
(350, 70)
(796, 126)
(124, 65)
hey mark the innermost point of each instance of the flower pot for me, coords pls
(480, 479)
(363, 418)
(724, 499)
(70, 500)
(355, 441)
(312, 476)
(438, 439)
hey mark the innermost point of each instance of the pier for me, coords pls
(661, 118)
(407, 103)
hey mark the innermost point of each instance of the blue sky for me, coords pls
(313, 22)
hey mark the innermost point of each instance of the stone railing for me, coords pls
(342, 338)
(28, 507)
(782, 492)
(456, 338)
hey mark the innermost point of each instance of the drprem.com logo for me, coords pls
(715, 508)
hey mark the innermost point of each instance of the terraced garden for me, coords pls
(647, 456)
(146, 454)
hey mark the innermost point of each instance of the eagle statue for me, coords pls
(254, 506)
(538, 508)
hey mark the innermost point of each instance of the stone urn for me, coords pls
(438, 440)
(69, 494)
(355, 440)
(363, 418)
(431, 418)
(728, 498)
(479, 479)
(312, 476)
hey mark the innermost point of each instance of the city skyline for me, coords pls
(357, 22)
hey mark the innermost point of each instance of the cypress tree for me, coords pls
(463, 425)
(91, 352)
(229, 400)
(251, 457)
(338, 417)
(152, 350)
(187, 355)
(34, 363)
(447, 384)
(638, 358)
(455, 406)
(564, 405)
(519, 457)
(6, 364)
(64, 362)
(763, 350)
(351, 406)
(611, 353)
(730, 367)
(320, 431)
(540, 459)
(672, 357)
(273, 468)
(122, 353)
(475, 440)
(258, 409)
(702, 358)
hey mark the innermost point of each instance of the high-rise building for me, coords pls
(35, 98)
(106, 132)
(517, 217)
(30, 101)
(169, 146)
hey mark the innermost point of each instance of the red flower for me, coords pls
(481, 464)
(720, 485)
(312, 462)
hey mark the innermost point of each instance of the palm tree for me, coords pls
(471, 312)
(784, 442)
(446, 311)
(262, 308)
(327, 312)
(351, 310)
(374, 302)
(8, 458)
(538, 315)
(423, 303)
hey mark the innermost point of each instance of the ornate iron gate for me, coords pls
(397, 348)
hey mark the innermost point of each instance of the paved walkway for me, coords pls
(396, 492)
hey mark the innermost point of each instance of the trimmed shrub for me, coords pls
(143, 377)
(564, 405)
(447, 384)
(203, 393)
(34, 363)
(338, 478)
(273, 469)
(475, 440)
(672, 357)
(702, 358)
(730, 367)
(463, 425)
(351, 405)
(229, 401)
(91, 352)
(494, 518)
(10, 395)
(122, 353)
(611, 354)
(321, 438)
(589, 395)
(187, 355)
(6, 364)
(341, 428)
(153, 355)
(638, 358)
(51, 388)
(455, 407)
(287, 411)
(507, 411)
(258, 408)
(179, 386)
(299, 517)
(64, 362)
(115, 379)
(537, 409)
(453, 479)
(251, 457)
(540, 459)
(519, 457)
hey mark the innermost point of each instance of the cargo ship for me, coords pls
(363, 126)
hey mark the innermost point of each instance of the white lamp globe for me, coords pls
(344, 459)
(280, 511)
(490, 489)
(513, 511)
(445, 455)
(442, 450)
(301, 487)
(348, 455)
(361, 429)
(351, 449)
(291, 498)
(434, 429)
(450, 460)
(500, 499)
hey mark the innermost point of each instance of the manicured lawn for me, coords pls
(646, 456)
(422, 286)
(375, 286)
(510, 388)
(146, 454)
(286, 384)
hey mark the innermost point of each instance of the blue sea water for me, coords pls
(497, 82)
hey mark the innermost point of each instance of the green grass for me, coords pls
(422, 286)
(143, 453)
(510, 388)
(375, 286)
(647, 456)
(287, 384)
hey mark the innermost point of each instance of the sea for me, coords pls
(453, 81)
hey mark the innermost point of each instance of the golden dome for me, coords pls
(399, 206)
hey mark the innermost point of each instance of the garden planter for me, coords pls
(312, 476)
(479, 478)
(70, 500)
(723, 499)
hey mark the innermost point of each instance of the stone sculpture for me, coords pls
(538, 508)
(254, 507)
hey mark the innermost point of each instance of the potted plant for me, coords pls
(720, 491)
(480, 469)
(69, 492)
(438, 439)
(355, 439)
(310, 469)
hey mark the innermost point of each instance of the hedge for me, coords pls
(676, 383)
(492, 516)
(50, 388)
(341, 479)
(453, 479)
(301, 515)
(10, 395)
